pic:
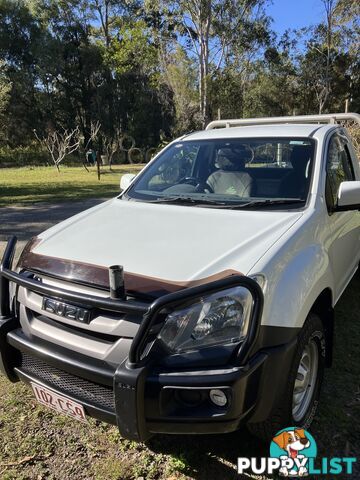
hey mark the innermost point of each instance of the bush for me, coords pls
(31, 156)
(34, 156)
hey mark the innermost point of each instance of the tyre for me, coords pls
(298, 404)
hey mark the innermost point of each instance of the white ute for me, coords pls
(201, 298)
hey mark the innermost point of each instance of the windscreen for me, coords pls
(255, 171)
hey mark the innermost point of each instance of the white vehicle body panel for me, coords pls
(321, 252)
(171, 242)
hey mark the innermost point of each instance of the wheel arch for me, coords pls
(323, 307)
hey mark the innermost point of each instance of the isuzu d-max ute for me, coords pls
(202, 298)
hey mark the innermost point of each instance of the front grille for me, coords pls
(98, 336)
(76, 387)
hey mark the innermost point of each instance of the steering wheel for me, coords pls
(188, 181)
(195, 182)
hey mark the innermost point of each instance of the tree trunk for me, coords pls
(98, 159)
(203, 27)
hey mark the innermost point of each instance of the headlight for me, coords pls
(218, 319)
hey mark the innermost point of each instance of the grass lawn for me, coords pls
(38, 444)
(28, 185)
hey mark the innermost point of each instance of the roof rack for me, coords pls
(327, 118)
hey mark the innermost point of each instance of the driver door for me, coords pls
(344, 249)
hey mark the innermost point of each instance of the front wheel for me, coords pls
(298, 404)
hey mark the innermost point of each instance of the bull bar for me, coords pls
(130, 378)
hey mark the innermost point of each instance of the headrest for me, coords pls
(300, 156)
(229, 159)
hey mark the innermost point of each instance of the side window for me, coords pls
(338, 168)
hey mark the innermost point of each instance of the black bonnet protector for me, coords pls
(98, 276)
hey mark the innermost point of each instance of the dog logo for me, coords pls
(293, 454)
(293, 446)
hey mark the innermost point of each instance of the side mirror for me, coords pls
(348, 196)
(126, 180)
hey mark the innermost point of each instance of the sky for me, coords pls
(295, 13)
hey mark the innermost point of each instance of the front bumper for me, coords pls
(141, 395)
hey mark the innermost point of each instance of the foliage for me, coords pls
(180, 76)
(158, 69)
(272, 86)
(354, 130)
(5, 89)
(21, 156)
(132, 50)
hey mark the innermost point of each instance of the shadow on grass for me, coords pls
(210, 456)
(32, 186)
(336, 428)
(37, 192)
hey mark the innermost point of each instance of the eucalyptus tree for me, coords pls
(330, 61)
(209, 30)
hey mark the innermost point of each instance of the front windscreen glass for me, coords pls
(234, 173)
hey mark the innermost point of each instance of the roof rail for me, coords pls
(327, 118)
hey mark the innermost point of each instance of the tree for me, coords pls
(323, 85)
(142, 98)
(179, 73)
(197, 20)
(143, 67)
(79, 63)
(22, 40)
(5, 91)
(208, 30)
(111, 145)
(272, 87)
(60, 144)
(330, 61)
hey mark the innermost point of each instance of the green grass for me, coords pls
(28, 185)
(38, 444)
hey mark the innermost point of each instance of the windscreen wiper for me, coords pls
(264, 203)
(179, 200)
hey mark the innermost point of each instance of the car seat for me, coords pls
(295, 183)
(230, 178)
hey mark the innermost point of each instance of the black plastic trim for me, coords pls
(5, 264)
(130, 306)
(92, 410)
(253, 388)
(345, 208)
(59, 357)
(8, 354)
